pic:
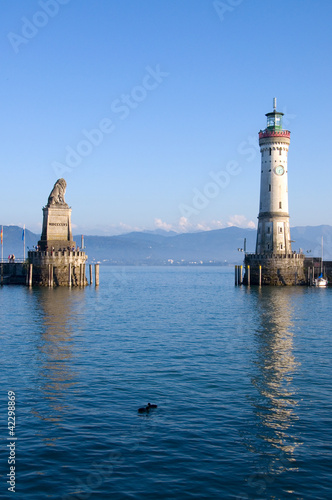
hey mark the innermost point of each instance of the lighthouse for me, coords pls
(274, 262)
(273, 234)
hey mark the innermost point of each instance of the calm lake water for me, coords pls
(241, 377)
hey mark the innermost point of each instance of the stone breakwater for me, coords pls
(61, 268)
(278, 270)
(65, 268)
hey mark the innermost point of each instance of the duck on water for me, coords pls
(147, 408)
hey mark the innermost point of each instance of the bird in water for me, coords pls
(147, 408)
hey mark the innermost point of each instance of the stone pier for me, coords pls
(67, 268)
(269, 269)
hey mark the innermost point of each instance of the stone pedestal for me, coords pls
(56, 233)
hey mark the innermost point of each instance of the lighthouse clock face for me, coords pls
(279, 170)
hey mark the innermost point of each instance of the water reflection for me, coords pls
(58, 311)
(274, 400)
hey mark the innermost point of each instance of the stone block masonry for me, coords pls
(62, 268)
(13, 273)
(275, 270)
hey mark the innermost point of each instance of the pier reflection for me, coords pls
(59, 312)
(274, 398)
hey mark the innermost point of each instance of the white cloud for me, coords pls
(159, 224)
(184, 225)
(240, 221)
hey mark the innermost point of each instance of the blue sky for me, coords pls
(158, 99)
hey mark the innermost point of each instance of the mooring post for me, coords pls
(50, 275)
(260, 275)
(90, 270)
(248, 274)
(241, 276)
(96, 274)
(30, 275)
(236, 275)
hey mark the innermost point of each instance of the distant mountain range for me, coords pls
(218, 247)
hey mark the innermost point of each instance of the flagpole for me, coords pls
(24, 242)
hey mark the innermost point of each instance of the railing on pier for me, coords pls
(255, 256)
(13, 261)
(55, 253)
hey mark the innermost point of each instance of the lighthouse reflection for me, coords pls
(274, 399)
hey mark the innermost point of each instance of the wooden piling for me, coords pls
(260, 276)
(96, 274)
(90, 270)
(248, 275)
(30, 275)
(50, 275)
(239, 276)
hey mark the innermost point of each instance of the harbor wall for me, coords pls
(58, 268)
(13, 273)
(278, 270)
(275, 270)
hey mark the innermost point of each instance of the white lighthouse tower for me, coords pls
(273, 262)
(273, 234)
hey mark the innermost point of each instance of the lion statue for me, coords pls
(57, 195)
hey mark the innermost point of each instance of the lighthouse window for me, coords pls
(280, 247)
(268, 230)
(280, 204)
(280, 229)
(270, 151)
(280, 151)
(269, 187)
